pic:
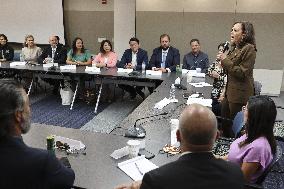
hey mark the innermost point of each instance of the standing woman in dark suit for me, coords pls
(238, 64)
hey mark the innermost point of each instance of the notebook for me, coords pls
(136, 167)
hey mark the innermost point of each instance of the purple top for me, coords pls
(257, 151)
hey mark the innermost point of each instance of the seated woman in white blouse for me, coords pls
(30, 52)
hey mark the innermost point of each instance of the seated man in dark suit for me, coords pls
(196, 58)
(55, 50)
(23, 166)
(56, 53)
(132, 59)
(197, 167)
(165, 58)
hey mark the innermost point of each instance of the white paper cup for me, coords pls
(142, 144)
(198, 70)
(133, 147)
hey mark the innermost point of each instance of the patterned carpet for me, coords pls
(50, 111)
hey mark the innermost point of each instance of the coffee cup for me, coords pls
(133, 147)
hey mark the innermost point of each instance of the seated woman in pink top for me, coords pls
(106, 57)
(255, 149)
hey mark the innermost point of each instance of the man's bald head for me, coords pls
(198, 126)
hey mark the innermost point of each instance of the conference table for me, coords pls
(96, 169)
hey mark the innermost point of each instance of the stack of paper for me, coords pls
(164, 102)
(202, 101)
(137, 167)
(200, 84)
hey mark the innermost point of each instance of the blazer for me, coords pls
(173, 58)
(142, 56)
(195, 170)
(59, 57)
(239, 66)
(26, 167)
(111, 62)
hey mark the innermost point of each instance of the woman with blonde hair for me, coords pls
(30, 52)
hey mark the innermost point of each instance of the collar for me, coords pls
(135, 52)
(189, 152)
(165, 51)
(196, 155)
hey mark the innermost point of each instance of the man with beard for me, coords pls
(23, 166)
(165, 58)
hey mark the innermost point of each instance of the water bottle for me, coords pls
(172, 92)
(178, 69)
(22, 57)
(143, 67)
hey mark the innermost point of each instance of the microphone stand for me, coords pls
(139, 131)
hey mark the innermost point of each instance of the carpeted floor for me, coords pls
(50, 111)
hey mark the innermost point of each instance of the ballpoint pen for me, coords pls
(141, 173)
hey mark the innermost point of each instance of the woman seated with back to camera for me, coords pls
(254, 150)
(78, 55)
(30, 52)
(106, 58)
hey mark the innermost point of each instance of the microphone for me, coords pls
(226, 46)
(139, 131)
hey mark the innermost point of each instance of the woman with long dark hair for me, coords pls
(255, 149)
(238, 65)
(78, 55)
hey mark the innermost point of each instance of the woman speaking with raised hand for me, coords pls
(238, 64)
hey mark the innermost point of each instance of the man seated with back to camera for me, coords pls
(196, 58)
(165, 58)
(197, 167)
(21, 165)
(132, 59)
(58, 53)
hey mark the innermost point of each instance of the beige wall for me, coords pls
(208, 20)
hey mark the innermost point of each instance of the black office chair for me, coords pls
(76, 187)
(222, 144)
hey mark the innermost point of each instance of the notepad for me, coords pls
(136, 167)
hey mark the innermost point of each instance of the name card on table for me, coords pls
(152, 72)
(48, 65)
(92, 69)
(17, 64)
(68, 67)
(122, 70)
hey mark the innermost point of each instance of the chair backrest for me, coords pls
(238, 123)
(276, 158)
(257, 87)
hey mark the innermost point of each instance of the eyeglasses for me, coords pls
(62, 146)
